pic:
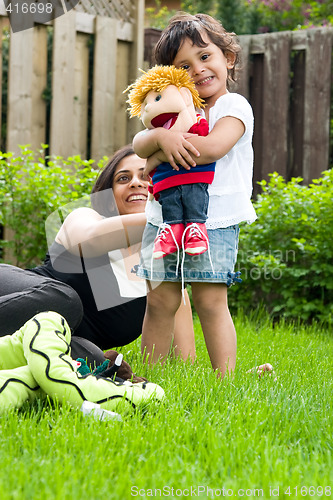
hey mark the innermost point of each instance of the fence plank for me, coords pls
(317, 98)
(257, 70)
(242, 84)
(80, 105)
(27, 80)
(120, 132)
(38, 125)
(136, 59)
(104, 88)
(63, 81)
(297, 107)
(19, 90)
(275, 98)
(2, 21)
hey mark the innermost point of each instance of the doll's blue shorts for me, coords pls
(216, 266)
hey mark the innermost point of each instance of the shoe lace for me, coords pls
(193, 229)
(162, 232)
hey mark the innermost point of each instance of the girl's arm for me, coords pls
(224, 135)
(175, 146)
(85, 232)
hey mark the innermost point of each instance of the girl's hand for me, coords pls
(160, 157)
(177, 149)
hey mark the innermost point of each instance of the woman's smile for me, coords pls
(137, 197)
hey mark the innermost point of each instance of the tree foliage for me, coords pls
(254, 16)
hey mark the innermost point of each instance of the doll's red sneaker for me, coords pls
(168, 240)
(196, 238)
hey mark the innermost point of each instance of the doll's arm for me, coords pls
(174, 145)
(146, 142)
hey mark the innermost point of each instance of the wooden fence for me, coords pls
(87, 112)
(287, 77)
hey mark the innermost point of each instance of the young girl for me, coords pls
(202, 46)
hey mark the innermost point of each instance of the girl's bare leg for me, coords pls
(210, 301)
(158, 324)
(183, 335)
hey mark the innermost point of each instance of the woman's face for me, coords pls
(129, 188)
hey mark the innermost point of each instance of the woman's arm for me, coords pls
(85, 232)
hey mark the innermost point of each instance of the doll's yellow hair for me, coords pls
(157, 79)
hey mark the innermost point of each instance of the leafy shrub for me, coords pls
(252, 16)
(279, 15)
(31, 188)
(286, 256)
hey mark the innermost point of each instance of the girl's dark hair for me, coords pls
(182, 26)
(105, 205)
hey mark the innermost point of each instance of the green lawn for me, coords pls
(254, 438)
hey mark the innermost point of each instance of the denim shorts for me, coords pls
(215, 266)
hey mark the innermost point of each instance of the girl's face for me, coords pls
(129, 188)
(207, 66)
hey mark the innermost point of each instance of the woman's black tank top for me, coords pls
(109, 320)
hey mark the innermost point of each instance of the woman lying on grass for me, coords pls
(86, 276)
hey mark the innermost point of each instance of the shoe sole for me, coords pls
(196, 251)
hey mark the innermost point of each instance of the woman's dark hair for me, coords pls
(182, 26)
(105, 205)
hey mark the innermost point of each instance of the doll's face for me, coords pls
(161, 109)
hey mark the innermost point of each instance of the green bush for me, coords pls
(252, 16)
(31, 188)
(286, 256)
(280, 15)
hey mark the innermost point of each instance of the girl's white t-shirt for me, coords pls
(231, 190)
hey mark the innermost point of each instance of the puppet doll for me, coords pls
(165, 96)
